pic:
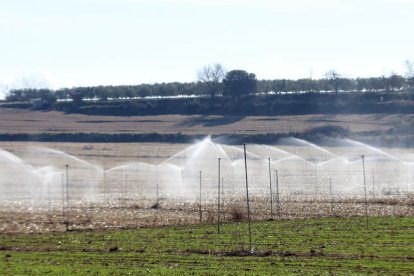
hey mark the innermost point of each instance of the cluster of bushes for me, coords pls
(292, 104)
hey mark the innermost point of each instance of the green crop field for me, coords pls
(308, 246)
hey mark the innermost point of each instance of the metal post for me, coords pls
(218, 198)
(157, 193)
(232, 173)
(365, 190)
(271, 193)
(373, 182)
(63, 196)
(222, 192)
(67, 197)
(277, 195)
(126, 184)
(126, 190)
(137, 170)
(316, 182)
(332, 201)
(199, 205)
(222, 198)
(104, 185)
(247, 199)
(48, 197)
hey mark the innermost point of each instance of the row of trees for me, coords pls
(214, 81)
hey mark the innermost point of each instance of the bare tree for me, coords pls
(333, 77)
(409, 65)
(212, 75)
(4, 89)
(33, 81)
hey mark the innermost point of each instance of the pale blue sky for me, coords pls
(101, 42)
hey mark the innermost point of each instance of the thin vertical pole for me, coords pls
(63, 196)
(247, 199)
(332, 201)
(126, 184)
(365, 190)
(222, 189)
(316, 182)
(48, 197)
(232, 172)
(182, 176)
(274, 184)
(104, 185)
(137, 171)
(126, 190)
(277, 195)
(271, 193)
(67, 197)
(223, 198)
(218, 198)
(67, 185)
(373, 182)
(199, 204)
(157, 193)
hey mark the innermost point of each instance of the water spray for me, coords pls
(298, 176)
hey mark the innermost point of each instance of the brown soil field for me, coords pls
(32, 122)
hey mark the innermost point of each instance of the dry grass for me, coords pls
(236, 213)
(133, 213)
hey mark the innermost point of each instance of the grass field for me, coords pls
(308, 246)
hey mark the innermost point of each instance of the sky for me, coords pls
(70, 43)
